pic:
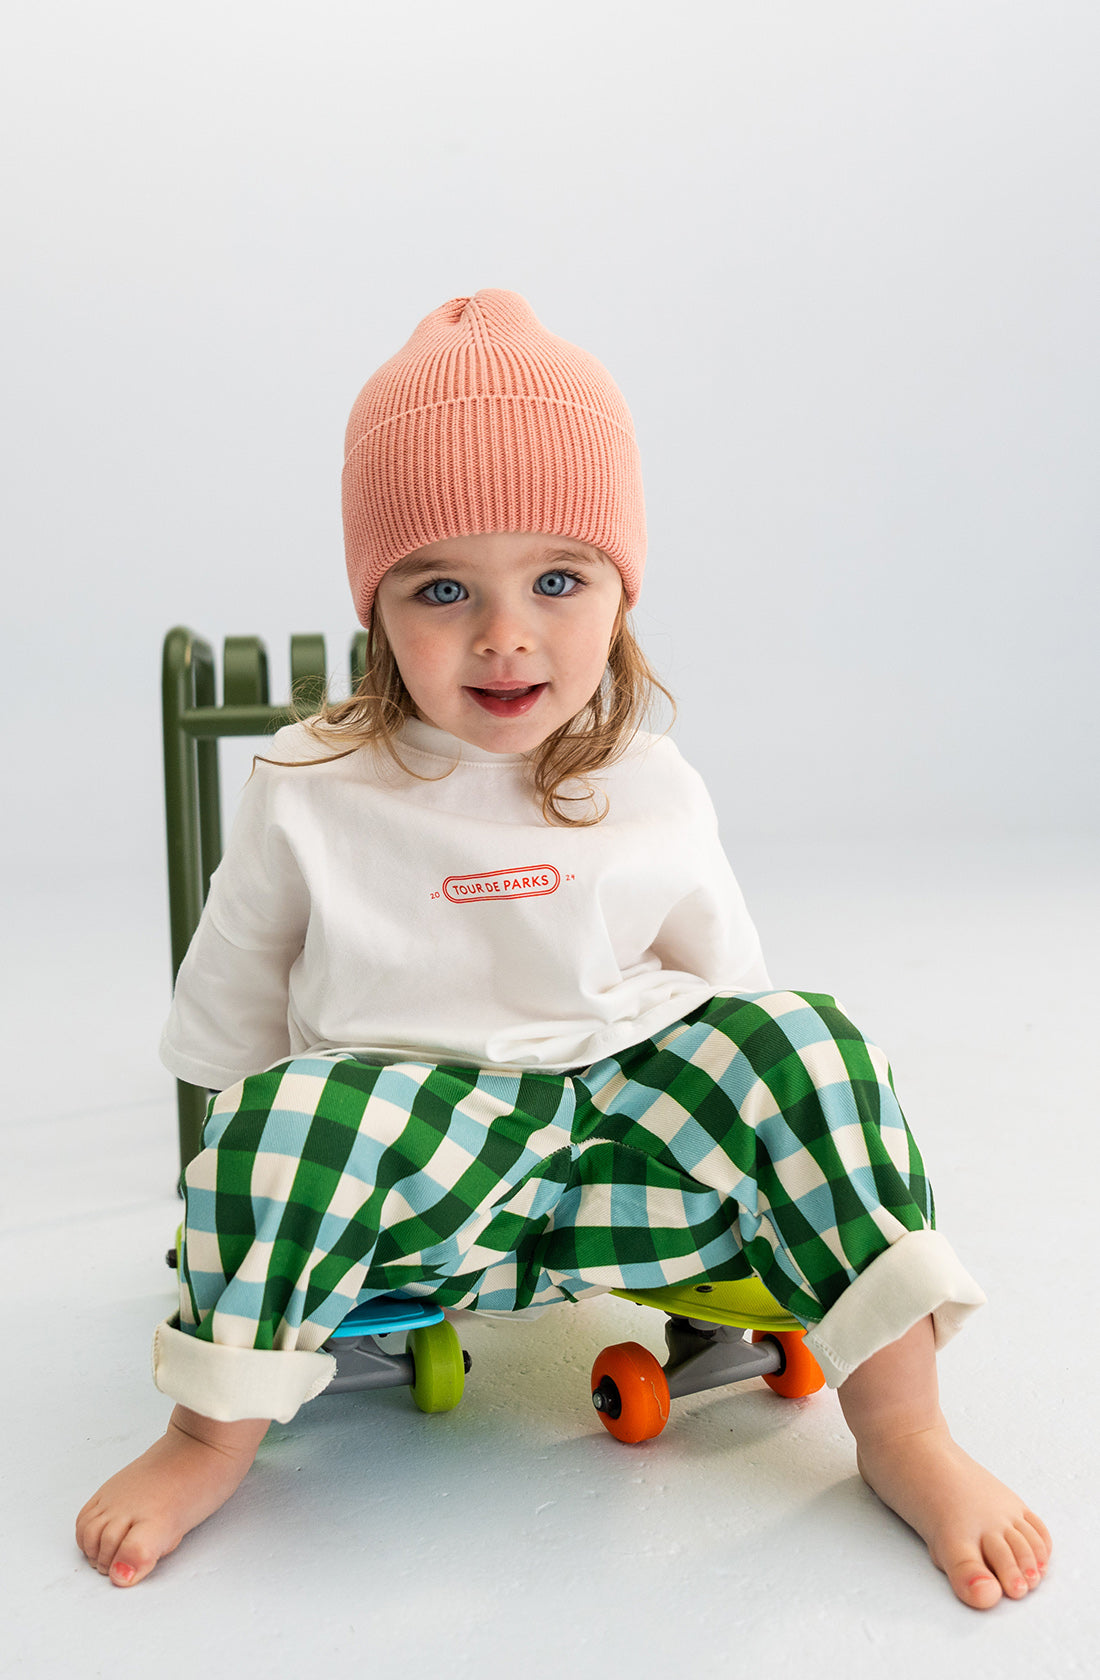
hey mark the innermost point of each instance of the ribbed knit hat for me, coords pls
(487, 422)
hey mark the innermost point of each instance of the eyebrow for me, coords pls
(414, 565)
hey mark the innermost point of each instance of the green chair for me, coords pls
(194, 723)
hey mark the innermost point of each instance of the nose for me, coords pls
(504, 628)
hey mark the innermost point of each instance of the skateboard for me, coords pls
(433, 1364)
(705, 1336)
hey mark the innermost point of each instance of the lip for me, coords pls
(505, 700)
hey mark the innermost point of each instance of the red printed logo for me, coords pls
(532, 881)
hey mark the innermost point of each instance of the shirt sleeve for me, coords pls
(709, 931)
(229, 1010)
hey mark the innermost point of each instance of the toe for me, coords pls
(1039, 1535)
(973, 1582)
(89, 1528)
(91, 1525)
(112, 1532)
(1034, 1566)
(83, 1520)
(137, 1555)
(1024, 1552)
(1001, 1558)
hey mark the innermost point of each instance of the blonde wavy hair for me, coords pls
(595, 737)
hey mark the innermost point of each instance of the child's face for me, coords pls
(500, 638)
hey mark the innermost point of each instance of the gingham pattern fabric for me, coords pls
(760, 1134)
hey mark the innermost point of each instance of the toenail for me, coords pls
(1032, 1574)
(123, 1572)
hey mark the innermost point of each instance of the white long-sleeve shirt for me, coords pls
(359, 908)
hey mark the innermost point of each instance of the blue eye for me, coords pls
(557, 583)
(444, 592)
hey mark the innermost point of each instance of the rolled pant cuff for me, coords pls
(917, 1275)
(229, 1383)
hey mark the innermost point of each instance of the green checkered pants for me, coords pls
(760, 1135)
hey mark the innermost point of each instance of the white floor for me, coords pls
(513, 1535)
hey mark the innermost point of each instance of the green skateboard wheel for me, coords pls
(440, 1371)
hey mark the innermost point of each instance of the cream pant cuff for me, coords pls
(229, 1383)
(917, 1275)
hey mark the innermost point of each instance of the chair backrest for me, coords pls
(194, 723)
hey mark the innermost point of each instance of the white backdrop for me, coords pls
(841, 258)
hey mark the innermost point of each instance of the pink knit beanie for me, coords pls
(487, 422)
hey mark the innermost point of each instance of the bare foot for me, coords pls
(977, 1530)
(145, 1511)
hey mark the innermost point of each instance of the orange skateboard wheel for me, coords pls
(630, 1392)
(801, 1373)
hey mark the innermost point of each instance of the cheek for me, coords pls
(593, 645)
(421, 658)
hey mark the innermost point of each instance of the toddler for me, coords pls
(488, 1017)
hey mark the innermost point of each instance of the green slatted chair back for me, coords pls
(194, 723)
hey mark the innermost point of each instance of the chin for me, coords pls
(506, 735)
(507, 741)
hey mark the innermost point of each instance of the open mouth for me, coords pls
(508, 700)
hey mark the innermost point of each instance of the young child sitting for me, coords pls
(488, 1017)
